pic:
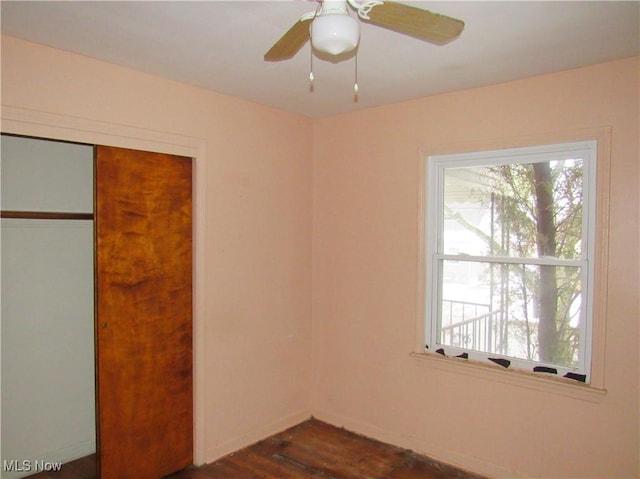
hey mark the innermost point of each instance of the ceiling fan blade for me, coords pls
(290, 42)
(416, 22)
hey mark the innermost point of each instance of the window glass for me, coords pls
(495, 308)
(523, 210)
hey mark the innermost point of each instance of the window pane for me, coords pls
(519, 210)
(529, 312)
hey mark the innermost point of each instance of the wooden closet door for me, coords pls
(144, 313)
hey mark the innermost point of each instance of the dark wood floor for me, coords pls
(311, 450)
(84, 468)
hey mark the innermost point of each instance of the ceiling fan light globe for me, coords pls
(335, 34)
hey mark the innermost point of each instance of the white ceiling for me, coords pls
(219, 45)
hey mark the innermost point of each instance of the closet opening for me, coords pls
(66, 386)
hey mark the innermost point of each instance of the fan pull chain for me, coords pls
(355, 83)
(311, 77)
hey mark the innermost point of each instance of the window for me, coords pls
(509, 260)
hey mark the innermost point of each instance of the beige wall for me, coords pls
(365, 305)
(304, 216)
(253, 242)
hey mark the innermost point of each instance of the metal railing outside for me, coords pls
(473, 326)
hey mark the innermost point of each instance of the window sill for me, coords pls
(513, 377)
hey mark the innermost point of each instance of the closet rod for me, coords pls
(45, 215)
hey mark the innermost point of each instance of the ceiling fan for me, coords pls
(334, 31)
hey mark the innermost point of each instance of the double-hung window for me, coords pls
(509, 260)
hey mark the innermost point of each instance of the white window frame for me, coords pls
(434, 256)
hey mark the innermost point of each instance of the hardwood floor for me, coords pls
(310, 450)
(316, 450)
(83, 468)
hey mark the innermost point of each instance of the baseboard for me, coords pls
(256, 434)
(25, 465)
(434, 451)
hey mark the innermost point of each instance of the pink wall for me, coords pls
(365, 256)
(308, 258)
(256, 226)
